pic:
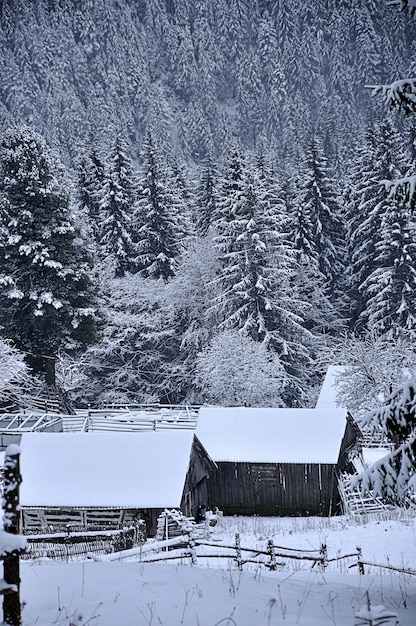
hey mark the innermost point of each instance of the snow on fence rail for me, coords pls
(185, 547)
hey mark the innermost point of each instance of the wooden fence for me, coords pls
(75, 546)
(271, 557)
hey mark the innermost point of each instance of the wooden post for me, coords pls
(238, 552)
(270, 550)
(11, 564)
(323, 560)
(359, 561)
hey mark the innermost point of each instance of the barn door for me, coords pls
(265, 477)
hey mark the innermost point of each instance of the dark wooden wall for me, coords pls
(350, 440)
(274, 489)
(63, 519)
(195, 491)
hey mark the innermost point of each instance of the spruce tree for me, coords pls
(90, 183)
(157, 225)
(322, 210)
(46, 297)
(390, 289)
(255, 282)
(116, 212)
(393, 476)
(206, 197)
(379, 159)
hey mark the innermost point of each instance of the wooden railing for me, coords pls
(271, 557)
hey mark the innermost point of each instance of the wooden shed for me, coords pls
(98, 480)
(275, 461)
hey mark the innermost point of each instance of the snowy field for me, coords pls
(215, 593)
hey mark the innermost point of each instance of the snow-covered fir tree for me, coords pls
(249, 231)
(157, 223)
(256, 265)
(321, 231)
(46, 297)
(90, 183)
(390, 289)
(321, 315)
(116, 245)
(206, 197)
(379, 158)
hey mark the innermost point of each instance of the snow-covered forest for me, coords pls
(213, 170)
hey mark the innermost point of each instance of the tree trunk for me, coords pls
(50, 376)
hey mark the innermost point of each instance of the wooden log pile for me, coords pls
(172, 523)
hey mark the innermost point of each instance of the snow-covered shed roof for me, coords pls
(267, 435)
(119, 470)
(328, 395)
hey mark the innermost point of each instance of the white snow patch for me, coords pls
(372, 455)
(127, 470)
(270, 435)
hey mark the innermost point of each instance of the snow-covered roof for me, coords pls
(372, 455)
(328, 394)
(125, 470)
(267, 435)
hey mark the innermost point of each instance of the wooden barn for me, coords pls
(275, 461)
(104, 480)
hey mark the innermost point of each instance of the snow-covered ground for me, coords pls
(214, 592)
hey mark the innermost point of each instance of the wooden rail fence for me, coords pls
(185, 547)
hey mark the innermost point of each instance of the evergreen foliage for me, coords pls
(46, 296)
(321, 233)
(391, 286)
(115, 229)
(157, 219)
(270, 72)
(379, 158)
(394, 476)
(90, 183)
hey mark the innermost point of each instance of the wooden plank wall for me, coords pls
(195, 491)
(273, 489)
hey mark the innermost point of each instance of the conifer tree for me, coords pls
(116, 212)
(322, 211)
(206, 197)
(393, 476)
(90, 183)
(156, 219)
(390, 289)
(46, 297)
(255, 282)
(379, 158)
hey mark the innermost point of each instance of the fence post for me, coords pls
(238, 552)
(191, 544)
(11, 564)
(359, 561)
(270, 550)
(323, 558)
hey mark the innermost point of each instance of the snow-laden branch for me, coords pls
(393, 476)
(400, 94)
(404, 5)
(402, 190)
